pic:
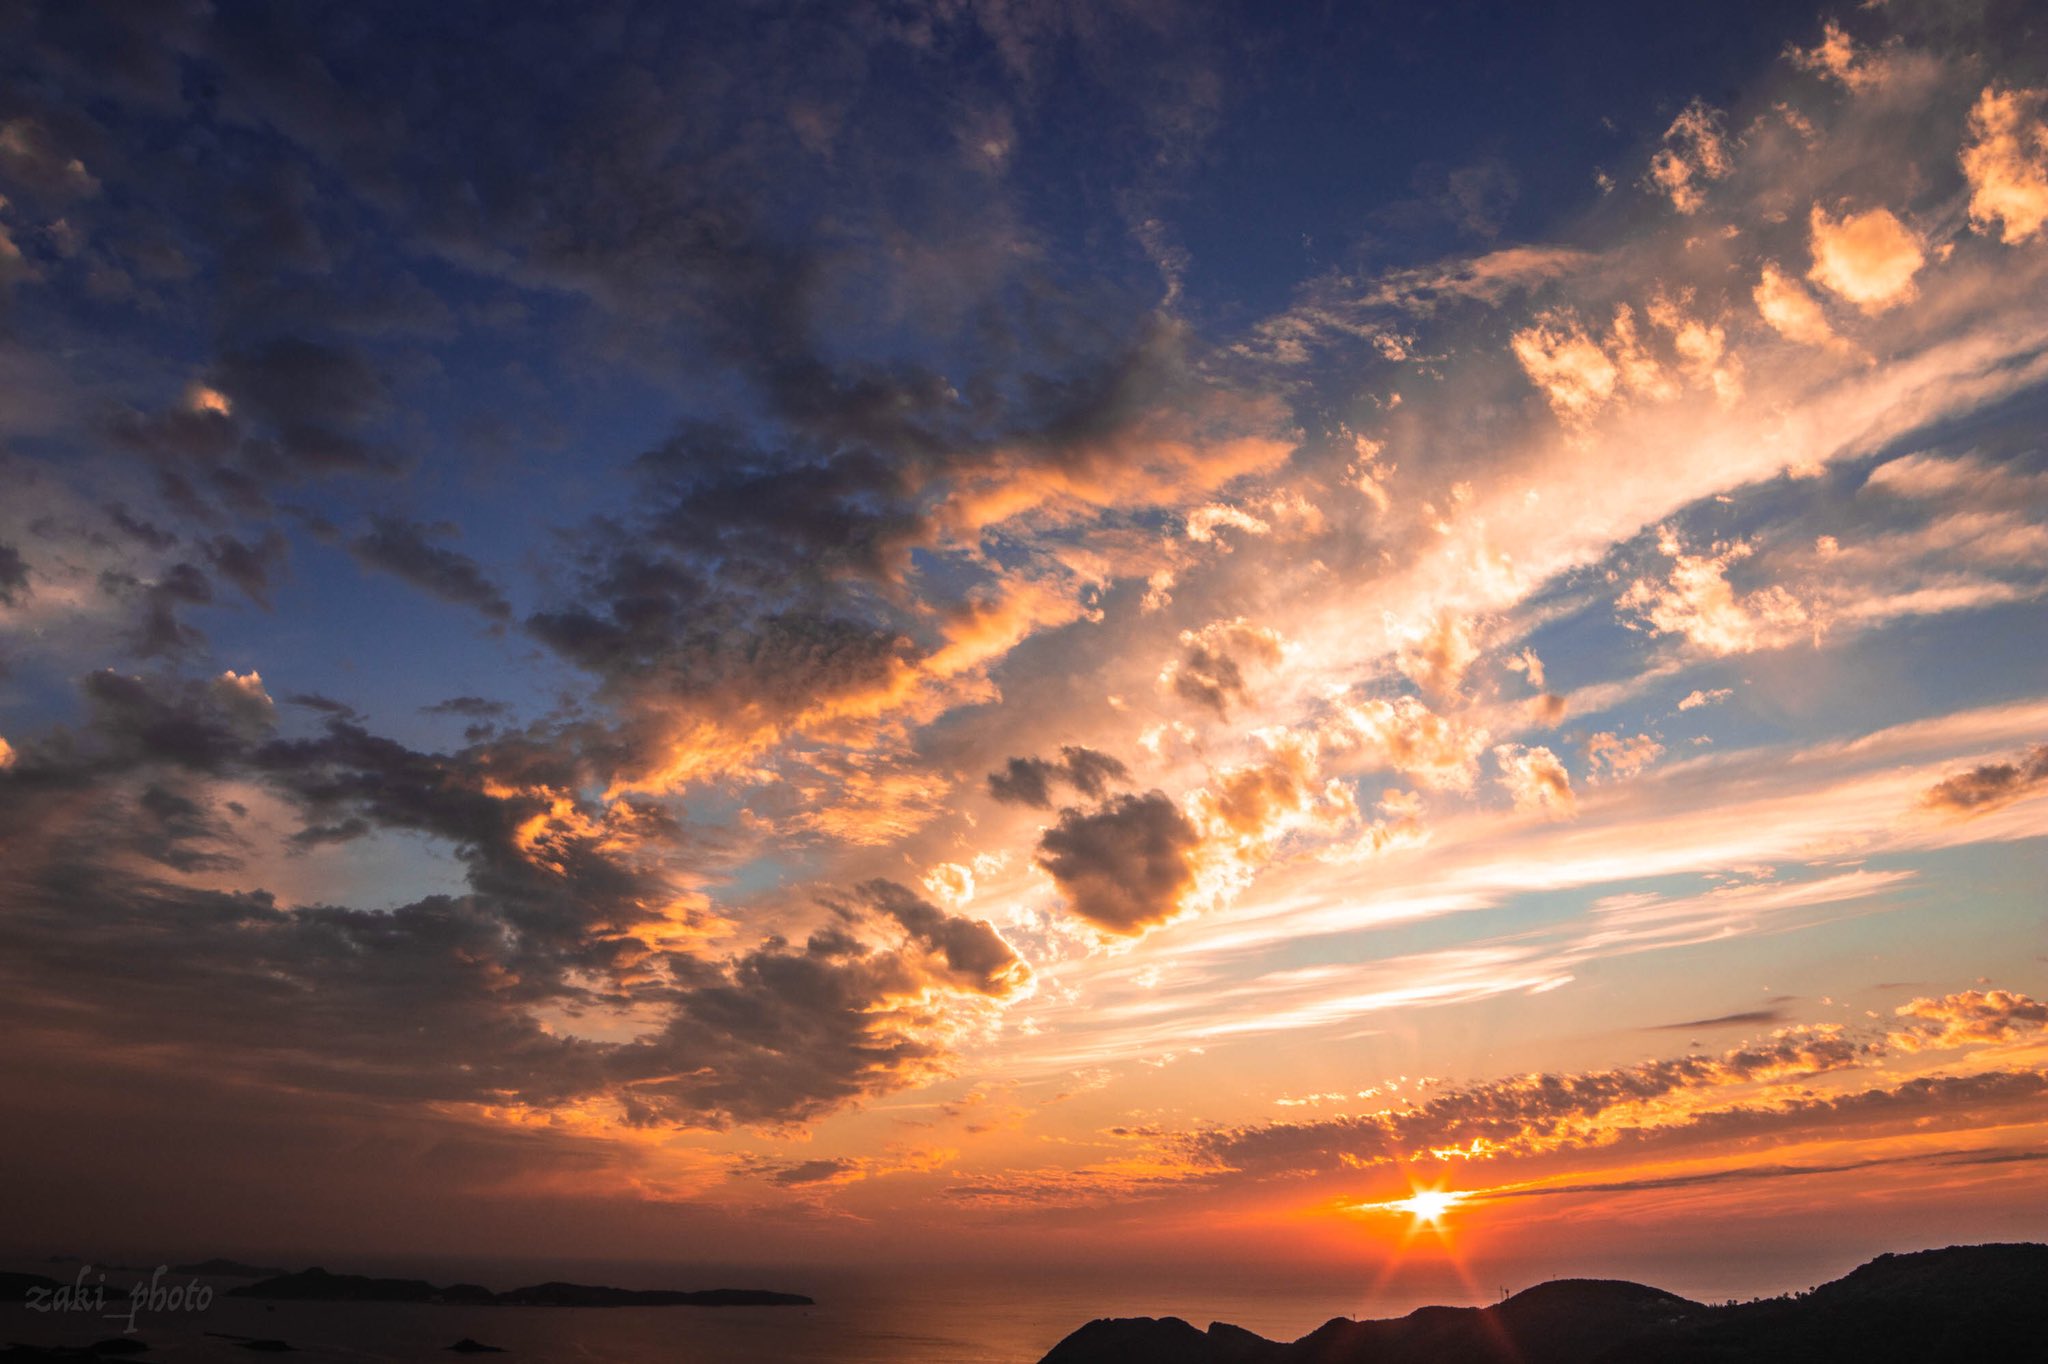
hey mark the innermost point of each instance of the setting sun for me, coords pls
(1428, 1205)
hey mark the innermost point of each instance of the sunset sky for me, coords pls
(1011, 631)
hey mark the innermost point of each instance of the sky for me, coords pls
(1025, 633)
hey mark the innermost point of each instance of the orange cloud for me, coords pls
(1617, 758)
(1792, 312)
(1867, 258)
(2006, 163)
(1695, 151)
(1697, 601)
(1211, 671)
(1536, 778)
(1992, 785)
(1971, 1018)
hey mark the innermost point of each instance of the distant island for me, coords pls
(317, 1285)
(1965, 1303)
(228, 1269)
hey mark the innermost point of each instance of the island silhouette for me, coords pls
(1963, 1303)
(317, 1285)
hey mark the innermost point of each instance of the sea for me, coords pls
(932, 1317)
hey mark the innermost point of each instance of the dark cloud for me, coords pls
(1994, 784)
(969, 953)
(145, 533)
(13, 575)
(813, 1171)
(1754, 1016)
(317, 401)
(1211, 669)
(1031, 781)
(1124, 865)
(159, 631)
(469, 707)
(249, 565)
(412, 551)
(570, 908)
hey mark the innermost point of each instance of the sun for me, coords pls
(1427, 1205)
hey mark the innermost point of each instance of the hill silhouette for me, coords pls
(1963, 1303)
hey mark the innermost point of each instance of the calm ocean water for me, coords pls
(858, 1319)
(957, 1318)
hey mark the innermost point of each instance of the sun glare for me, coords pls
(1428, 1205)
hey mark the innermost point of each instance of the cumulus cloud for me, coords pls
(1698, 697)
(1791, 310)
(1695, 152)
(1123, 866)
(1972, 1018)
(1575, 374)
(1032, 781)
(1838, 57)
(412, 552)
(1611, 757)
(1439, 751)
(968, 953)
(1867, 258)
(1535, 777)
(1696, 601)
(1438, 660)
(572, 908)
(1986, 788)
(2006, 163)
(1519, 1115)
(1211, 670)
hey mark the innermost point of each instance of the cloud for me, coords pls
(1437, 661)
(968, 953)
(1211, 669)
(1613, 758)
(1031, 781)
(1867, 258)
(1536, 778)
(1439, 751)
(1575, 374)
(1972, 1018)
(408, 550)
(1986, 788)
(318, 399)
(1695, 151)
(13, 575)
(1792, 311)
(1837, 57)
(1519, 1115)
(572, 911)
(2006, 163)
(1698, 602)
(1126, 865)
(1696, 698)
(1750, 1018)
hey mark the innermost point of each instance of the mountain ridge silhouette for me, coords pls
(1976, 1303)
